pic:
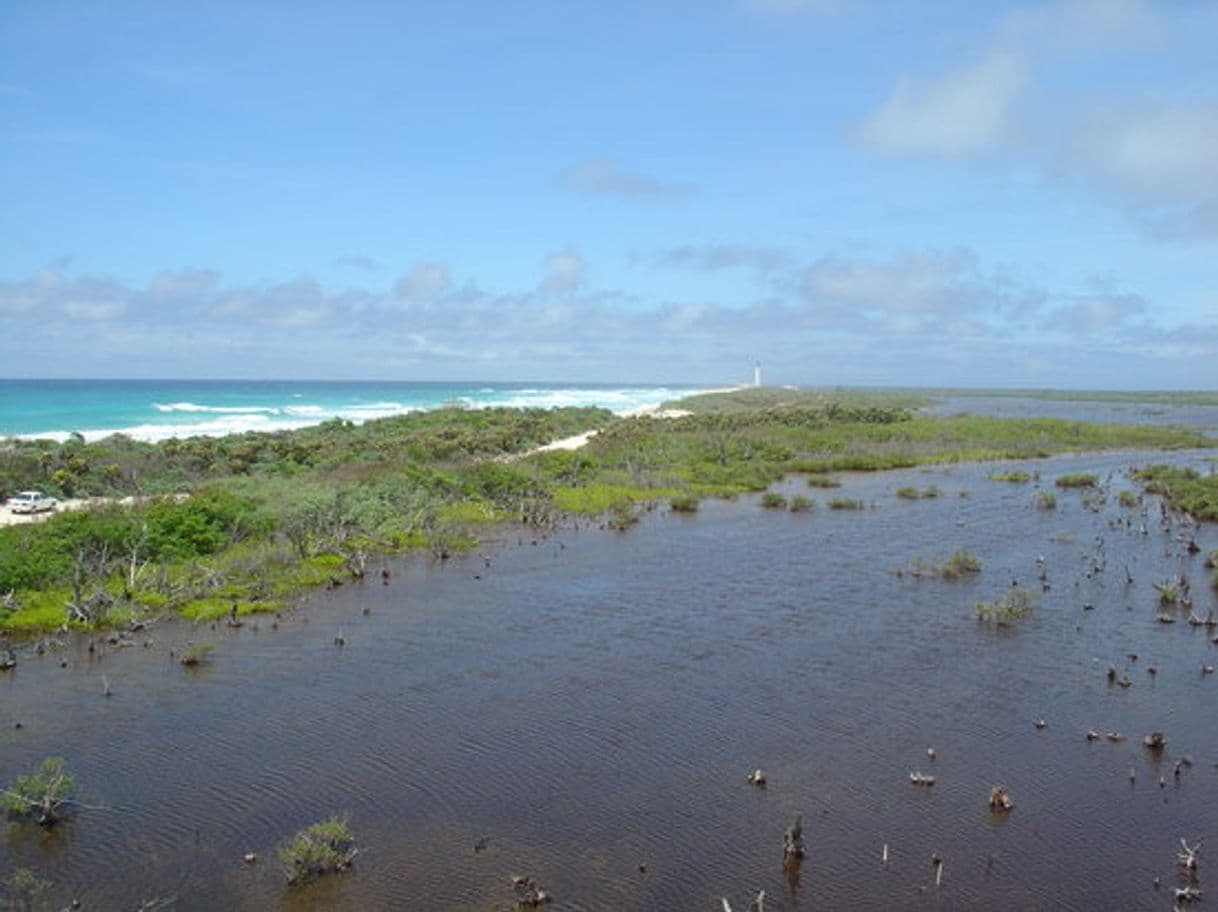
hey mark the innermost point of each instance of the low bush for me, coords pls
(1011, 475)
(1008, 608)
(42, 796)
(684, 503)
(326, 847)
(846, 503)
(1077, 480)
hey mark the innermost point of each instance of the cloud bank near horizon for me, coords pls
(920, 317)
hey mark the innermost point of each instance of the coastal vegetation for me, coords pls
(1077, 480)
(43, 795)
(240, 524)
(1007, 609)
(909, 492)
(24, 891)
(326, 847)
(846, 503)
(957, 565)
(1183, 488)
(1017, 476)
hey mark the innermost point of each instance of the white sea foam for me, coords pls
(216, 409)
(221, 420)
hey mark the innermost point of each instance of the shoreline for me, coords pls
(163, 414)
(574, 442)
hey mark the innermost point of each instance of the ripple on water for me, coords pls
(595, 707)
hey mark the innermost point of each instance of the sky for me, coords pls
(980, 194)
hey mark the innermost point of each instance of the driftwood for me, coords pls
(529, 893)
(918, 778)
(1000, 799)
(1187, 858)
(793, 840)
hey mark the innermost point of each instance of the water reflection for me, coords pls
(587, 709)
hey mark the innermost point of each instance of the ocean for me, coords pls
(160, 409)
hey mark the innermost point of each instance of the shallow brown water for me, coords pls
(592, 703)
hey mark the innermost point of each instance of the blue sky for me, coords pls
(921, 193)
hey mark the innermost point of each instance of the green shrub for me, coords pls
(24, 891)
(912, 493)
(1008, 608)
(1011, 475)
(683, 503)
(772, 500)
(823, 481)
(801, 504)
(1077, 480)
(959, 564)
(43, 795)
(846, 503)
(196, 654)
(1184, 488)
(326, 847)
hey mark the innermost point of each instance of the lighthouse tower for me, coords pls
(757, 374)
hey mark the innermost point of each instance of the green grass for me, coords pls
(772, 500)
(1017, 476)
(598, 498)
(322, 848)
(1184, 489)
(747, 399)
(683, 503)
(196, 654)
(801, 504)
(823, 481)
(1007, 609)
(846, 503)
(912, 493)
(1077, 480)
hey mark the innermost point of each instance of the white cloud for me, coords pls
(426, 281)
(711, 257)
(1154, 152)
(1095, 313)
(603, 178)
(907, 315)
(1043, 92)
(960, 113)
(564, 272)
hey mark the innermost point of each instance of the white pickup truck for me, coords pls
(31, 502)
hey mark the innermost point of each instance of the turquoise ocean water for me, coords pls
(160, 409)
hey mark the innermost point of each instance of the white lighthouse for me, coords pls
(757, 373)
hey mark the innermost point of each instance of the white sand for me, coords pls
(9, 518)
(581, 440)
